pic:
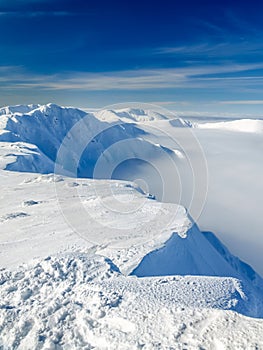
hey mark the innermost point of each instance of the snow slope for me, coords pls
(22, 156)
(197, 254)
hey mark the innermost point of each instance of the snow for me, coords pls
(74, 140)
(135, 115)
(73, 286)
(18, 109)
(78, 300)
(75, 301)
(22, 156)
(99, 263)
(119, 216)
(243, 125)
(194, 255)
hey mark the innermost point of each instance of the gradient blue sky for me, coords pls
(185, 55)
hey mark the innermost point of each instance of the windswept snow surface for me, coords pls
(76, 301)
(67, 249)
(99, 264)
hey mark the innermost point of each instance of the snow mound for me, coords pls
(243, 125)
(80, 300)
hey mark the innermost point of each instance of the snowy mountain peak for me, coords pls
(129, 115)
(140, 115)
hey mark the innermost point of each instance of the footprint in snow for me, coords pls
(120, 324)
(12, 216)
(29, 203)
(73, 184)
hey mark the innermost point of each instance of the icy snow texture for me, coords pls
(75, 301)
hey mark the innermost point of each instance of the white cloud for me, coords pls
(242, 102)
(221, 50)
(142, 79)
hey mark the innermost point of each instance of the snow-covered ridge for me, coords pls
(132, 115)
(197, 254)
(136, 115)
(201, 254)
(96, 134)
(140, 235)
(21, 109)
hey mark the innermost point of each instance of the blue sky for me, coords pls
(185, 55)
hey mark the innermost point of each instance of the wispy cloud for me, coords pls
(34, 8)
(242, 102)
(220, 50)
(214, 28)
(168, 103)
(34, 13)
(9, 69)
(142, 79)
